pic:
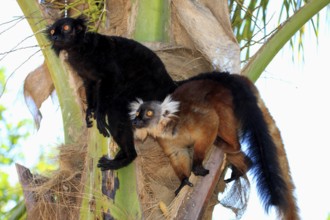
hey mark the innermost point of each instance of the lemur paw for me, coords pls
(184, 182)
(199, 170)
(105, 164)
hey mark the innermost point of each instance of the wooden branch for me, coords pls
(196, 201)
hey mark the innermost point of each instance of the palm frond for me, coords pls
(250, 19)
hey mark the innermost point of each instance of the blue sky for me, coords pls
(296, 93)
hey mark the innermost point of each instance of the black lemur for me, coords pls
(220, 108)
(114, 71)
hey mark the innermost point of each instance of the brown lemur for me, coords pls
(225, 109)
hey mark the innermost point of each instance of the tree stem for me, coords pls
(258, 63)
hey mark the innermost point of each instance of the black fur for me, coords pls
(115, 71)
(261, 148)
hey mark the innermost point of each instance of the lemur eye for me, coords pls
(66, 27)
(52, 32)
(150, 113)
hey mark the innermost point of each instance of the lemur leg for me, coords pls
(181, 162)
(121, 130)
(238, 161)
(91, 91)
(200, 150)
(228, 140)
(204, 139)
(180, 159)
(103, 105)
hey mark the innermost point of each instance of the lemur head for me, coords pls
(66, 32)
(153, 117)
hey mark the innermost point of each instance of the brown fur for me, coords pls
(207, 115)
(203, 117)
(211, 108)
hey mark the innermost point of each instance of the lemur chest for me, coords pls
(84, 67)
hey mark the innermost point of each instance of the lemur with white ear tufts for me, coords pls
(221, 109)
(114, 70)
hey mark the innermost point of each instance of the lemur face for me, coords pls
(153, 117)
(147, 115)
(64, 33)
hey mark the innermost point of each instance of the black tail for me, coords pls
(272, 188)
(262, 150)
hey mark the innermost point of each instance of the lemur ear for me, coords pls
(79, 28)
(134, 107)
(166, 113)
(81, 23)
(169, 107)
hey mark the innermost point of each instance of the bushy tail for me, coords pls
(288, 210)
(265, 147)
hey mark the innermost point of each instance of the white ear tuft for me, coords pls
(134, 106)
(169, 107)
